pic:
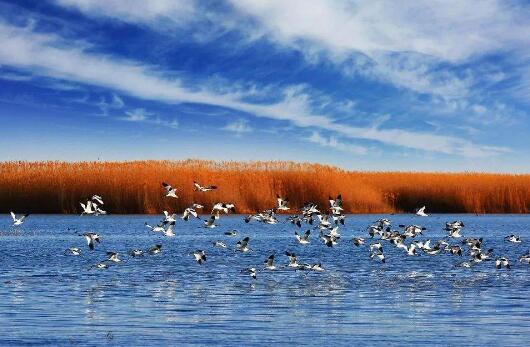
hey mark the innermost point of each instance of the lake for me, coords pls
(49, 298)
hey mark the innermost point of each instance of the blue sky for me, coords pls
(367, 85)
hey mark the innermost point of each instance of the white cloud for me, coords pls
(48, 55)
(140, 115)
(239, 127)
(332, 142)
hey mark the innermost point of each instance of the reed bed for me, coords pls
(135, 187)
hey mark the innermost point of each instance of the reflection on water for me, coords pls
(49, 298)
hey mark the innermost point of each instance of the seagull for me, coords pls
(502, 262)
(269, 263)
(513, 238)
(73, 251)
(525, 258)
(455, 232)
(251, 271)
(242, 245)
(90, 238)
(231, 233)
(18, 221)
(113, 256)
(88, 208)
(357, 241)
(200, 188)
(155, 249)
(210, 223)
(157, 229)
(169, 217)
(200, 256)
(99, 199)
(190, 211)
(304, 240)
(329, 240)
(99, 266)
(170, 191)
(336, 204)
(376, 246)
(282, 203)
(136, 253)
(292, 259)
(317, 267)
(379, 256)
(223, 207)
(169, 231)
(219, 244)
(421, 212)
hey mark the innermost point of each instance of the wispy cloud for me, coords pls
(333, 143)
(140, 115)
(239, 127)
(49, 55)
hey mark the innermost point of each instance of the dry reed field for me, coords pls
(135, 187)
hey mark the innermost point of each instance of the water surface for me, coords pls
(48, 298)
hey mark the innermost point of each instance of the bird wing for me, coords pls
(13, 216)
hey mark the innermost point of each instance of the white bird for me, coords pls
(292, 260)
(90, 239)
(190, 211)
(200, 256)
(210, 223)
(98, 210)
(98, 198)
(357, 241)
(251, 271)
(455, 232)
(303, 239)
(379, 256)
(282, 203)
(155, 249)
(200, 188)
(136, 253)
(88, 208)
(525, 258)
(223, 207)
(219, 244)
(159, 228)
(421, 212)
(100, 266)
(73, 251)
(170, 191)
(113, 257)
(376, 246)
(169, 230)
(170, 217)
(317, 267)
(502, 262)
(18, 221)
(242, 245)
(513, 238)
(269, 263)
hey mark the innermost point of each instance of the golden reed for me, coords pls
(135, 187)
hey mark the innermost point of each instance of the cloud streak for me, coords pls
(48, 55)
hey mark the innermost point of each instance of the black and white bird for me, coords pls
(251, 271)
(210, 223)
(223, 207)
(525, 258)
(231, 233)
(269, 263)
(242, 245)
(136, 253)
(189, 211)
(169, 217)
(88, 208)
(99, 266)
(18, 221)
(159, 228)
(169, 231)
(219, 244)
(513, 238)
(379, 256)
(335, 205)
(98, 199)
(200, 188)
(170, 191)
(90, 239)
(317, 267)
(502, 262)
(73, 251)
(358, 241)
(292, 260)
(199, 255)
(155, 249)
(113, 257)
(283, 203)
(303, 239)
(421, 212)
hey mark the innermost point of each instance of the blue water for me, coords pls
(48, 298)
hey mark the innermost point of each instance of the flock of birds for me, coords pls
(326, 222)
